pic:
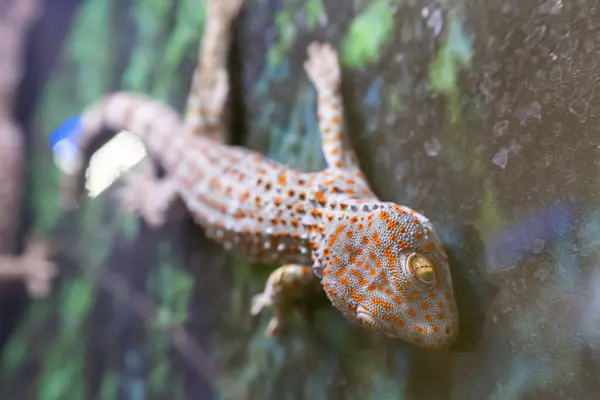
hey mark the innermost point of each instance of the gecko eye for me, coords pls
(422, 268)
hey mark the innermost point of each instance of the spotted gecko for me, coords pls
(380, 264)
(33, 266)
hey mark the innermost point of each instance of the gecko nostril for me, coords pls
(448, 330)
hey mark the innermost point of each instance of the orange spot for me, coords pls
(393, 225)
(428, 317)
(340, 272)
(300, 208)
(412, 313)
(435, 329)
(350, 234)
(389, 254)
(393, 238)
(419, 235)
(429, 247)
(335, 235)
(384, 215)
(282, 179)
(353, 219)
(365, 240)
(402, 229)
(376, 239)
(424, 306)
(357, 274)
(336, 261)
(382, 304)
(441, 316)
(320, 197)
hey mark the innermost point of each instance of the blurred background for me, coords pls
(482, 115)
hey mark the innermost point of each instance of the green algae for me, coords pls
(455, 54)
(367, 34)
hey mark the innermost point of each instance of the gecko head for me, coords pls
(383, 267)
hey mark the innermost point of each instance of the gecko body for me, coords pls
(381, 264)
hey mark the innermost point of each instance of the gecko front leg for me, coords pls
(285, 288)
(33, 267)
(323, 69)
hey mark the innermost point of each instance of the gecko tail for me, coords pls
(75, 141)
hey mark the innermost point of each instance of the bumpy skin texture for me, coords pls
(16, 16)
(381, 264)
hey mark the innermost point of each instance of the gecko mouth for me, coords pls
(369, 320)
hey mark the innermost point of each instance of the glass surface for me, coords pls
(481, 114)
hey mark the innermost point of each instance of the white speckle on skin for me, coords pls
(280, 247)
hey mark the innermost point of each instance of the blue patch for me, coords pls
(69, 130)
(525, 238)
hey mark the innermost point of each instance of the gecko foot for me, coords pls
(286, 286)
(147, 196)
(38, 269)
(322, 66)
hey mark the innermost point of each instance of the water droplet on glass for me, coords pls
(432, 147)
(538, 245)
(531, 111)
(500, 128)
(436, 22)
(579, 108)
(501, 158)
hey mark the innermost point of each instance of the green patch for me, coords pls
(285, 26)
(109, 387)
(63, 374)
(152, 20)
(490, 217)
(369, 31)
(314, 10)
(75, 302)
(455, 54)
(182, 43)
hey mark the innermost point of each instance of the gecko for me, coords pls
(33, 266)
(380, 264)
